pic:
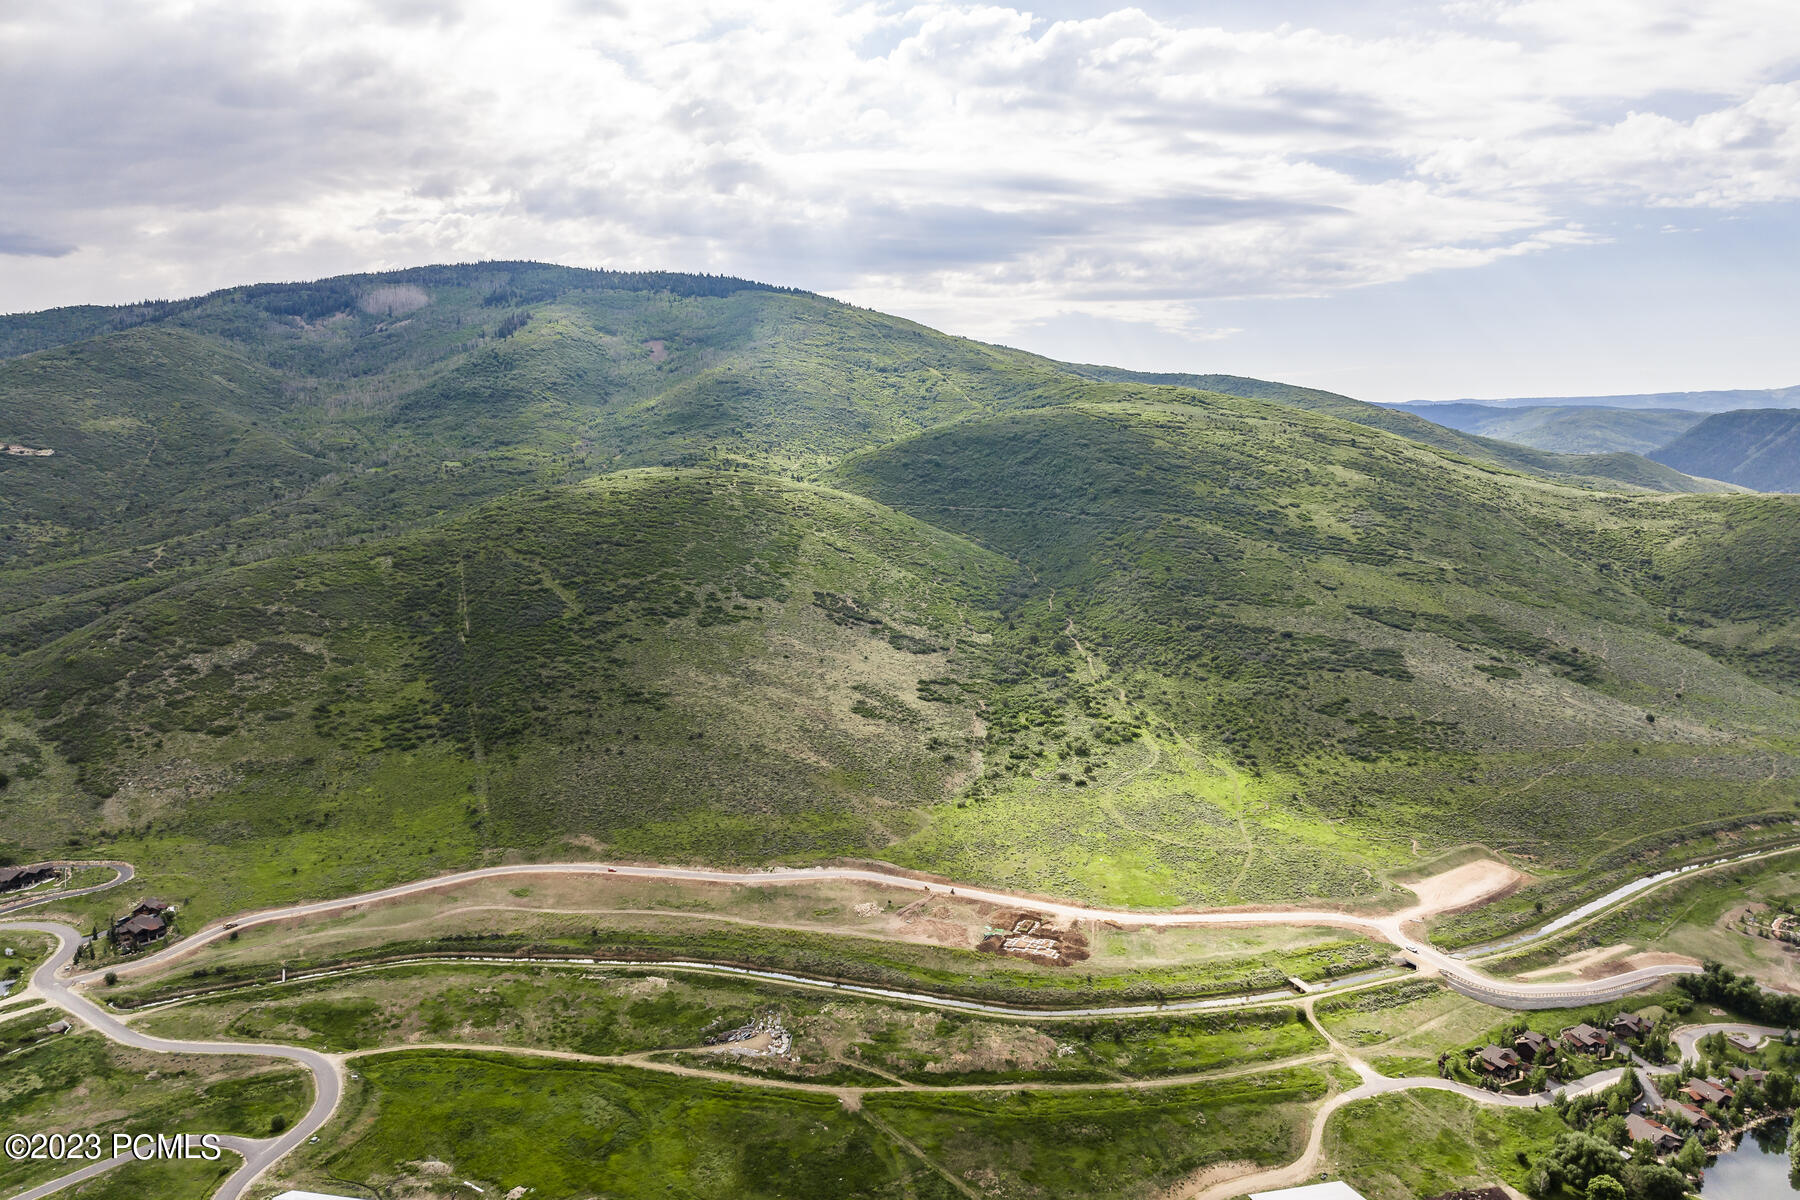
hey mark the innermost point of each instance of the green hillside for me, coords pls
(1758, 448)
(334, 584)
(1598, 467)
(1571, 429)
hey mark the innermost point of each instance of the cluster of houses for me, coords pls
(1502, 1065)
(147, 923)
(13, 879)
(1698, 1092)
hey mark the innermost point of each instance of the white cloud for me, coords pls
(968, 163)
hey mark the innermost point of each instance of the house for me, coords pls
(1694, 1116)
(138, 930)
(1643, 1129)
(1585, 1039)
(1750, 1074)
(1530, 1044)
(13, 879)
(1707, 1091)
(1743, 1043)
(1629, 1025)
(152, 907)
(1498, 1062)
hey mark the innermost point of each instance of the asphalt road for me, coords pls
(259, 1153)
(1687, 1038)
(125, 873)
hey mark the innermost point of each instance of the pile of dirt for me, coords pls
(1030, 935)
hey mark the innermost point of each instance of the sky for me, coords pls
(1394, 200)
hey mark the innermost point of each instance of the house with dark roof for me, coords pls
(1693, 1116)
(1747, 1075)
(138, 930)
(13, 879)
(1707, 1091)
(1498, 1063)
(1743, 1043)
(1585, 1039)
(1530, 1044)
(1643, 1129)
(1629, 1025)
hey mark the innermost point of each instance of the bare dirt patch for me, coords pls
(1464, 887)
(1655, 958)
(1030, 935)
(659, 349)
(1579, 962)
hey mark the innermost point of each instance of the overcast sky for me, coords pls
(1398, 201)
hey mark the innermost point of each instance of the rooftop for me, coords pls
(1335, 1190)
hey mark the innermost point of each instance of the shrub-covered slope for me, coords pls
(336, 583)
(688, 664)
(1384, 640)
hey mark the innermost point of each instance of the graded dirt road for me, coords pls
(1391, 928)
(1463, 886)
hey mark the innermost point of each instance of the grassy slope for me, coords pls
(627, 1133)
(1424, 1143)
(1383, 639)
(686, 664)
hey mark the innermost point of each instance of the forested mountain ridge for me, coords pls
(1757, 448)
(1577, 429)
(368, 578)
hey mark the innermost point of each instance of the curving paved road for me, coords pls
(259, 1153)
(1688, 1036)
(124, 872)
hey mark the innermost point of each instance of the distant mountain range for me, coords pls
(1566, 429)
(1754, 447)
(1758, 448)
(1702, 402)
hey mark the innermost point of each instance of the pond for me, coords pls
(1756, 1170)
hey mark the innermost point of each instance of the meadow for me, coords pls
(421, 1115)
(1424, 1143)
